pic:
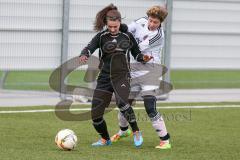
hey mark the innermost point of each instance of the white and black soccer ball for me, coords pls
(66, 139)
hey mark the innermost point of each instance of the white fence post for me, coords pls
(64, 47)
(167, 50)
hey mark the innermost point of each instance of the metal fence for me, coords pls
(37, 36)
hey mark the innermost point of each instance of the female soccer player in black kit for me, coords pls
(114, 43)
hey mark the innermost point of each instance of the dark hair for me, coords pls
(108, 13)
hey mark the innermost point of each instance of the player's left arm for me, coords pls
(135, 51)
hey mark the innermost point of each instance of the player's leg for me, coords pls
(157, 121)
(124, 130)
(101, 100)
(121, 90)
(149, 92)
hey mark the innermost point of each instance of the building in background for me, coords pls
(205, 33)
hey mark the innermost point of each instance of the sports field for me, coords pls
(207, 133)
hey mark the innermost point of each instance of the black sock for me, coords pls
(101, 128)
(124, 128)
(165, 137)
(131, 118)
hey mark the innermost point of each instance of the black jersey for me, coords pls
(114, 50)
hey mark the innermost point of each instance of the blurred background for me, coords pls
(202, 49)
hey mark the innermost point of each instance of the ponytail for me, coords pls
(108, 13)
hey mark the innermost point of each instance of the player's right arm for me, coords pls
(90, 48)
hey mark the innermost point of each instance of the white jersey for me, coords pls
(149, 42)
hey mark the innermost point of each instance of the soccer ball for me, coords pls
(66, 139)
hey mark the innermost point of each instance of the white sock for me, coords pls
(160, 127)
(120, 132)
(165, 141)
(122, 120)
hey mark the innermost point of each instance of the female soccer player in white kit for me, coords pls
(150, 37)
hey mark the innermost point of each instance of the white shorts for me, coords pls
(145, 80)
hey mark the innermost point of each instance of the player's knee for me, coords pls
(98, 120)
(96, 103)
(97, 111)
(131, 102)
(150, 105)
(120, 104)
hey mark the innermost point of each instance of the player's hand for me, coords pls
(83, 58)
(147, 58)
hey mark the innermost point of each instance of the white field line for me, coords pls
(135, 108)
